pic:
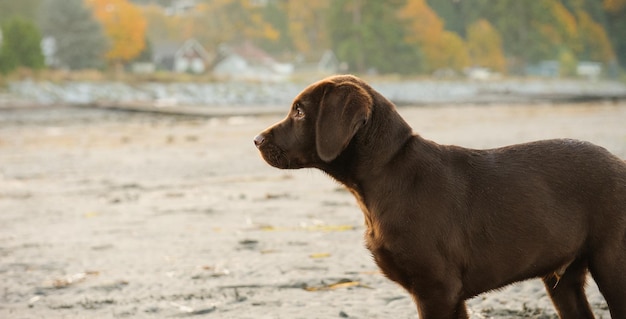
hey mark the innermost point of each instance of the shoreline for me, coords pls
(237, 98)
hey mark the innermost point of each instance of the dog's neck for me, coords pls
(377, 141)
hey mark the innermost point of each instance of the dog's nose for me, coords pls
(259, 140)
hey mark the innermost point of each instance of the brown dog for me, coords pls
(448, 223)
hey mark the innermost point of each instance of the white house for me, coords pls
(248, 62)
(188, 57)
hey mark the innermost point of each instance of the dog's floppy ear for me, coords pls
(344, 108)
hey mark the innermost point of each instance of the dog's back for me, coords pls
(550, 202)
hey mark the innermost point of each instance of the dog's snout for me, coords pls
(259, 140)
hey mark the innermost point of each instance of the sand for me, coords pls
(111, 215)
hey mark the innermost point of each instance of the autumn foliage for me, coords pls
(490, 36)
(440, 48)
(484, 46)
(614, 5)
(305, 21)
(394, 36)
(124, 26)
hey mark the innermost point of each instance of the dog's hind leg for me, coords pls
(607, 269)
(567, 290)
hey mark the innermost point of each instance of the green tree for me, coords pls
(532, 31)
(616, 26)
(368, 35)
(485, 46)
(306, 25)
(146, 54)
(441, 49)
(26, 9)
(224, 21)
(21, 46)
(276, 14)
(79, 38)
(595, 42)
(164, 27)
(515, 21)
(456, 14)
(567, 63)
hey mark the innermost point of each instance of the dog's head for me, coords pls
(322, 121)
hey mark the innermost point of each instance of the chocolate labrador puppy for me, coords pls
(448, 223)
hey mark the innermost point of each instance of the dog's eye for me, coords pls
(298, 113)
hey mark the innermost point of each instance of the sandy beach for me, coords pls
(107, 214)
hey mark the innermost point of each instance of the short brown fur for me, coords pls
(448, 223)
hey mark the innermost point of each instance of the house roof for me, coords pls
(166, 50)
(193, 44)
(248, 52)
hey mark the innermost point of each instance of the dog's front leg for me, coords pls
(440, 306)
(435, 288)
(430, 310)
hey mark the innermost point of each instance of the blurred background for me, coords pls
(146, 45)
(280, 39)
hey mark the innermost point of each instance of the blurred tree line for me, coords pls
(393, 36)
